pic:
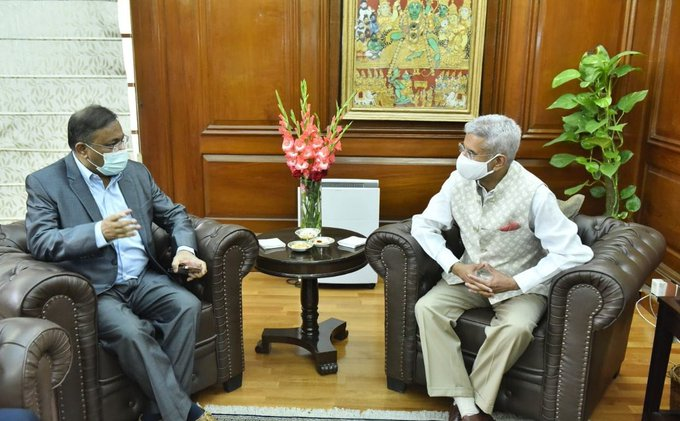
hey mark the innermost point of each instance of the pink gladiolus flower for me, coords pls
(287, 144)
(322, 153)
(301, 164)
(309, 153)
(317, 142)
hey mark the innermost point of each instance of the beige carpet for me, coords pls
(252, 413)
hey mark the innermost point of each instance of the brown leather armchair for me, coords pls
(35, 356)
(95, 388)
(580, 343)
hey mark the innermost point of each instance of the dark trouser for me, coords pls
(150, 324)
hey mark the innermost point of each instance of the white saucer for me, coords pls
(299, 245)
(322, 241)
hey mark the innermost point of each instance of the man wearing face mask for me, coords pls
(91, 213)
(516, 239)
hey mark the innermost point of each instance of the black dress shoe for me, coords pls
(481, 416)
(454, 413)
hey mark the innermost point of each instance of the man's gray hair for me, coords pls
(501, 133)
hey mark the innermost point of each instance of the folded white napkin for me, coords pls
(352, 242)
(271, 243)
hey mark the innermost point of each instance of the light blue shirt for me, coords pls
(132, 257)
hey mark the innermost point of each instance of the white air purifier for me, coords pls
(352, 204)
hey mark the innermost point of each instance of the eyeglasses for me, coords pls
(467, 152)
(116, 146)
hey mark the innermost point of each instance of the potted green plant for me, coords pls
(597, 127)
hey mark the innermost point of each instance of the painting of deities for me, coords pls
(414, 54)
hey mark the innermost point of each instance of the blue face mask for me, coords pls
(114, 162)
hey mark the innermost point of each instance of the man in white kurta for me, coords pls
(516, 239)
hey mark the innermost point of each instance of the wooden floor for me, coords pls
(287, 378)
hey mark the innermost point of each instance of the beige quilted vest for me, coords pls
(498, 232)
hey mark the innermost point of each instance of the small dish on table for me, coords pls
(322, 241)
(307, 233)
(299, 245)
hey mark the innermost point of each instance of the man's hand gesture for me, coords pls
(195, 267)
(119, 225)
(483, 279)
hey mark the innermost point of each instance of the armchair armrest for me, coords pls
(230, 252)
(408, 273)
(590, 311)
(35, 357)
(41, 290)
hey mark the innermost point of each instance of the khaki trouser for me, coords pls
(507, 338)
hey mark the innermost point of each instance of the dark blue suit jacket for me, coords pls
(61, 214)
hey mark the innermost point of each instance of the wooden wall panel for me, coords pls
(661, 186)
(558, 44)
(152, 98)
(660, 212)
(249, 49)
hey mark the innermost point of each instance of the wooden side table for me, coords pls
(317, 262)
(667, 326)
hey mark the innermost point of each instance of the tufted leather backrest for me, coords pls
(13, 237)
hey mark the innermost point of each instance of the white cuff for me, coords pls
(185, 248)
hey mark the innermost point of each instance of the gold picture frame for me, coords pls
(417, 60)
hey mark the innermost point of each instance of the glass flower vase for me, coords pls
(310, 203)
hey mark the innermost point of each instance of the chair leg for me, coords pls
(233, 383)
(396, 385)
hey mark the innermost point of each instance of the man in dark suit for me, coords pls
(91, 212)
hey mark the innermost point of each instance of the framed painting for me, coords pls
(418, 60)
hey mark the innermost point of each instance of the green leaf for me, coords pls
(617, 127)
(592, 125)
(627, 102)
(566, 101)
(587, 144)
(592, 167)
(604, 102)
(561, 160)
(624, 70)
(594, 60)
(633, 204)
(587, 102)
(601, 51)
(623, 54)
(609, 168)
(565, 76)
(627, 192)
(602, 142)
(573, 190)
(611, 155)
(598, 192)
(574, 121)
(590, 76)
(625, 155)
(564, 137)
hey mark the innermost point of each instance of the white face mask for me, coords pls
(473, 170)
(114, 162)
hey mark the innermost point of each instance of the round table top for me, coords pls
(317, 262)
